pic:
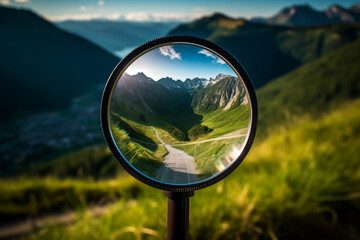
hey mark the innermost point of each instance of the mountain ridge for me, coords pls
(270, 51)
(150, 102)
(171, 84)
(305, 15)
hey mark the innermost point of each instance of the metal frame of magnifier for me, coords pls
(178, 194)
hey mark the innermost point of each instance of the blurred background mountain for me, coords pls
(301, 179)
(117, 37)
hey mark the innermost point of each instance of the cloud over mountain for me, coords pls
(169, 51)
(211, 55)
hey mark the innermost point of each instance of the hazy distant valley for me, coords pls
(117, 37)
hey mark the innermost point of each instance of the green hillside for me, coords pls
(312, 89)
(224, 122)
(269, 51)
(43, 67)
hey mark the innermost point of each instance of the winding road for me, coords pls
(179, 167)
(227, 136)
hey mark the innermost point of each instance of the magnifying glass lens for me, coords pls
(179, 113)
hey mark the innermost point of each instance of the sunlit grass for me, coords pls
(224, 122)
(213, 156)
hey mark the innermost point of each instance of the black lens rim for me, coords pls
(124, 63)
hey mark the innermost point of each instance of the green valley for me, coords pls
(149, 130)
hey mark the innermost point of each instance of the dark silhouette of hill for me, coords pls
(269, 51)
(43, 67)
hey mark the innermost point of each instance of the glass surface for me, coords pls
(179, 114)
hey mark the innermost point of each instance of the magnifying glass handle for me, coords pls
(178, 215)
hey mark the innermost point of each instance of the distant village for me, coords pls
(40, 134)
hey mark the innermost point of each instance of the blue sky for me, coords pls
(156, 10)
(179, 62)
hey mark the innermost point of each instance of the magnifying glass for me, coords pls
(179, 113)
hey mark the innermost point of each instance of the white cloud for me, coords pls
(85, 17)
(132, 16)
(138, 16)
(22, 1)
(80, 17)
(207, 53)
(115, 16)
(5, 2)
(85, 8)
(159, 17)
(219, 60)
(211, 55)
(169, 51)
(101, 3)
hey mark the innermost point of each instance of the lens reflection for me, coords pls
(179, 114)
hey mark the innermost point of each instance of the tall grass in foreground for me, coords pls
(289, 176)
(34, 197)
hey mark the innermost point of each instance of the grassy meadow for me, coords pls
(293, 182)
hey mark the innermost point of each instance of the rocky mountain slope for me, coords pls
(305, 15)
